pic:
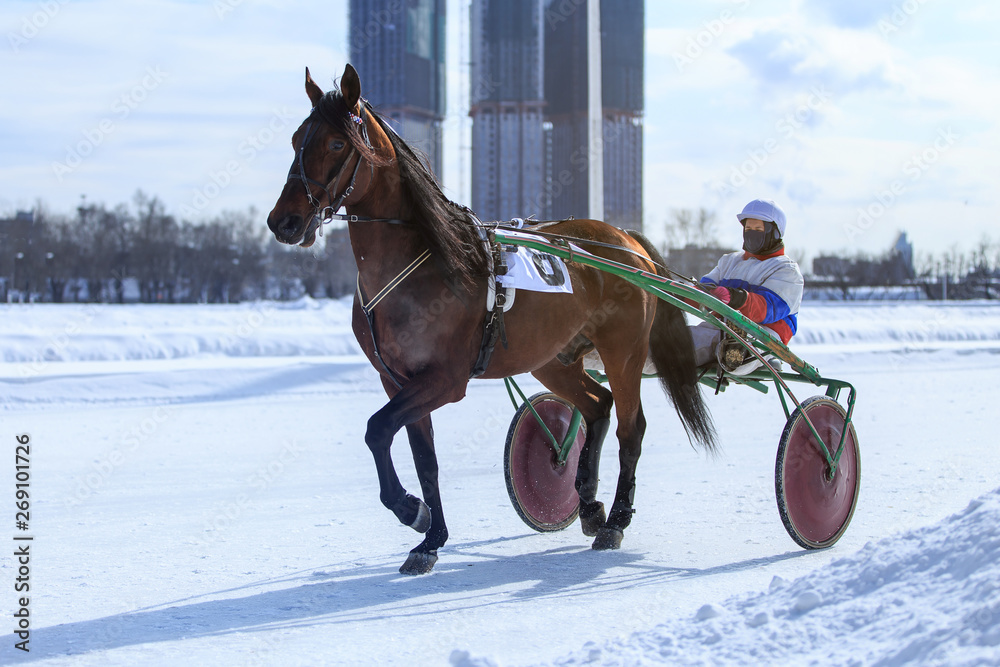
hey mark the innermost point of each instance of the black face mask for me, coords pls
(754, 241)
(761, 243)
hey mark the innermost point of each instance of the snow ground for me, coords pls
(201, 493)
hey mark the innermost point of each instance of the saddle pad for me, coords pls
(535, 271)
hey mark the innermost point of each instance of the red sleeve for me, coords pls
(782, 329)
(755, 307)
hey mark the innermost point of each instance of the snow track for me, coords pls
(215, 504)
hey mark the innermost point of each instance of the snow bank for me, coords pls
(898, 324)
(930, 595)
(44, 334)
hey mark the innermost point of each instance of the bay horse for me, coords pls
(420, 313)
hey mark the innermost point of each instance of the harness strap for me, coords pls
(566, 241)
(367, 309)
(393, 284)
(362, 218)
(493, 328)
(323, 215)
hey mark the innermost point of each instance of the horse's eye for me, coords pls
(336, 145)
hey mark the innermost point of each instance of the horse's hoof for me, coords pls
(422, 523)
(419, 562)
(607, 539)
(592, 518)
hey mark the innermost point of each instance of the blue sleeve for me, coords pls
(777, 309)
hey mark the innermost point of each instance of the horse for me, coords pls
(421, 318)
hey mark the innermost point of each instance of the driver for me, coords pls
(760, 281)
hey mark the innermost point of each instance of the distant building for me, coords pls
(895, 267)
(695, 261)
(398, 48)
(622, 47)
(902, 256)
(506, 106)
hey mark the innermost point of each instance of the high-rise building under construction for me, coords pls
(622, 25)
(530, 101)
(398, 48)
(506, 105)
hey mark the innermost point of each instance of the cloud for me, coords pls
(803, 191)
(854, 14)
(845, 61)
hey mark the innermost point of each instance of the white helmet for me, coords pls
(766, 210)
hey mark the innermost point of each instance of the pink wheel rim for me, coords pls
(545, 490)
(819, 508)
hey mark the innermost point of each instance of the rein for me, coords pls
(563, 239)
(323, 215)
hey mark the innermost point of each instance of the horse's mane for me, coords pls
(448, 229)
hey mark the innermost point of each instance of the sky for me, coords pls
(861, 118)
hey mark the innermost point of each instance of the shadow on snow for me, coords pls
(468, 579)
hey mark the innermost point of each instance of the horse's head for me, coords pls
(331, 147)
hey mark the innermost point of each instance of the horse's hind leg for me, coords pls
(625, 380)
(594, 402)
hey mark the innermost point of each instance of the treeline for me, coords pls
(952, 274)
(692, 249)
(139, 252)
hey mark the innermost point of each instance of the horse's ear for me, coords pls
(312, 90)
(350, 86)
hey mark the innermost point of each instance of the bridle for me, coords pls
(322, 215)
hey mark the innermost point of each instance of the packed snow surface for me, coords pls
(929, 596)
(201, 493)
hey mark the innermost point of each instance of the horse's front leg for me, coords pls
(411, 407)
(424, 555)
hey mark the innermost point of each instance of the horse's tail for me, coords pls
(672, 352)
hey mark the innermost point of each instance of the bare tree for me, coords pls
(705, 228)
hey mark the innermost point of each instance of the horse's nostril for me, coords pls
(288, 227)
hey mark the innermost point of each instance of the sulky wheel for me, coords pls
(815, 508)
(542, 491)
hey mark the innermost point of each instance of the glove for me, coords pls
(720, 293)
(731, 296)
